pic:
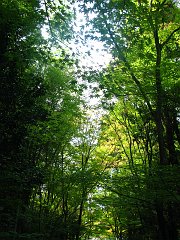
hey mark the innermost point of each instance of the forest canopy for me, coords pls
(72, 170)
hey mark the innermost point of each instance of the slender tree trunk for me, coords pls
(40, 208)
(173, 233)
(80, 216)
(170, 137)
(159, 101)
(162, 226)
(166, 230)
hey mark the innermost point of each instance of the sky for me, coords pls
(91, 54)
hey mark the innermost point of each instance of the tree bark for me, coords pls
(159, 101)
(172, 158)
(162, 225)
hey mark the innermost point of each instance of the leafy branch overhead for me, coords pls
(89, 152)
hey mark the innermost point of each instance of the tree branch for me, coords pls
(47, 15)
(142, 202)
(169, 37)
(127, 65)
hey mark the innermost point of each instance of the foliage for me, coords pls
(65, 173)
(37, 98)
(140, 134)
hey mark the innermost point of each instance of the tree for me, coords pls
(151, 30)
(71, 174)
(135, 183)
(27, 62)
(61, 176)
(140, 34)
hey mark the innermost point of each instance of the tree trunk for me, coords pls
(162, 225)
(159, 101)
(172, 219)
(170, 137)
